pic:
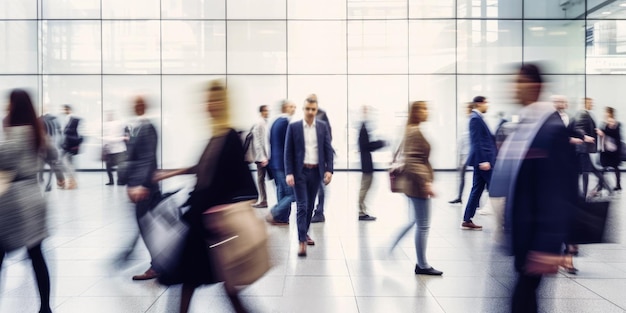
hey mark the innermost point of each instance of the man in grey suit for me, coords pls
(308, 162)
(141, 165)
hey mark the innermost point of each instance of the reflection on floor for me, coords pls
(350, 269)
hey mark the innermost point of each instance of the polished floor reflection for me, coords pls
(350, 269)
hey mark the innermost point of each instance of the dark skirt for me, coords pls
(610, 159)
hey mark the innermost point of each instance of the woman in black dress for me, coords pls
(222, 177)
(611, 138)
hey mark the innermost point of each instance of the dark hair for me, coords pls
(22, 112)
(67, 107)
(610, 111)
(532, 72)
(479, 99)
(263, 107)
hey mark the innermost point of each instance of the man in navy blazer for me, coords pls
(279, 214)
(482, 156)
(308, 162)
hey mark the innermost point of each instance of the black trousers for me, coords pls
(525, 294)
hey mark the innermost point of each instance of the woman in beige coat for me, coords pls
(418, 178)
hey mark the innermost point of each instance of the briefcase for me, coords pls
(238, 243)
(590, 222)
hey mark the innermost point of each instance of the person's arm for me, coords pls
(289, 155)
(140, 173)
(258, 139)
(328, 156)
(414, 155)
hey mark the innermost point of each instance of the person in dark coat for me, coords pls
(223, 177)
(536, 173)
(367, 167)
(586, 127)
(611, 138)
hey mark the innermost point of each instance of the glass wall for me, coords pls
(98, 54)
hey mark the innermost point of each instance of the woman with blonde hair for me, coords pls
(223, 177)
(418, 179)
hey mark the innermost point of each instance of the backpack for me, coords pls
(247, 146)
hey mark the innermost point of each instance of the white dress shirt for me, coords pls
(113, 138)
(310, 143)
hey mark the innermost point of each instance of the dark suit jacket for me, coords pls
(366, 147)
(482, 142)
(294, 149)
(142, 160)
(278, 132)
(71, 139)
(545, 192)
(586, 126)
(321, 116)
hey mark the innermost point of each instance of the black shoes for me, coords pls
(366, 217)
(427, 271)
(318, 218)
(455, 201)
(109, 184)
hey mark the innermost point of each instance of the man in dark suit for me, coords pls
(586, 128)
(367, 167)
(319, 216)
(279, 214)
(482, 156)
(536, 173)
(141, 165)
(308, 162)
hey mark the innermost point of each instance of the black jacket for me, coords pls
(366, 147)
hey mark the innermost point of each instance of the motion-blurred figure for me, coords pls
(261, 157)
(113, 145)
(318, 216)
(22, 206)
(536, 174)
(464, 147)
(418, 178)
(611, 139)
(71, 145)
(586, 127)
(367, 167)
(223, 177)
(50, 152)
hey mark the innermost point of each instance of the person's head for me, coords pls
(67, 109)
(610, 113)
(528, 84)
(469, 107)
(418, 113)
(288, 107)
(265, 112)
(21, 112)
(310, 109)
(588, 103)
(218, 106)
(560, 102)
(480, 104)
(139, 105)
(110, 116)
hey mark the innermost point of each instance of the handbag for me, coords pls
(238, 244)
(589, 223)
(396, 179)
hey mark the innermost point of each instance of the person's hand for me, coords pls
(328, 176)
(290, 181)
(137, 193)
(264, 163)
(539, 263)
(575, 141)
(159, 175)
(589, 139)
(484, 166)
(599, 132)
(429, 190)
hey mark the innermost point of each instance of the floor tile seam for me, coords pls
(600, 296)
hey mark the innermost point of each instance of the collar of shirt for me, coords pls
(307, 125)
(477, 112)
(535, 110)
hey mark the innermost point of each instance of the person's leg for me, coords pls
(109, 167)
(141, 208)
(302, 202)
(422, 221)
(618, 185)
(321, 196)
(233, 296)
(185, 296)
(525, 294)
(405, 229)
(478, 186)
(281, 211)
(313, 186)
(43, 277)
(366, 183)
(260, 175)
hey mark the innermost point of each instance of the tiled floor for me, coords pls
(350, 269)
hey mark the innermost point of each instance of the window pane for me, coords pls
(368, 9)
(377, 47)
(439, 92)
(194, 47)
(490, 8)
(247, 93)
(193, 9)
(432, 9)
(602, 89)
(22, 9)
(558, 44)
(488, 46)
(317, 47)
(331, 96)
(256, 47)
(64, 9)
(29, 83)
(319, 9)
(432, 46)
(606, 45)
(131, 47)
(71, 47)
(18, 49)
(83, 94)
(499, 91)
(554, 9)
(256, 9)
(135, 9)
(389, 106)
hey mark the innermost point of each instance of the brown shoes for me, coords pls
(302, 249)
(149, 274)
(469, 225)
(260, 205)
(309, 241)
(270, 219)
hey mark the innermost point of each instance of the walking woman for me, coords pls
(22, 206)
(611, 137)
(222, 177)
(418, 179)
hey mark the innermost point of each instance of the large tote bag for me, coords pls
(238, 244)
(589, 224)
